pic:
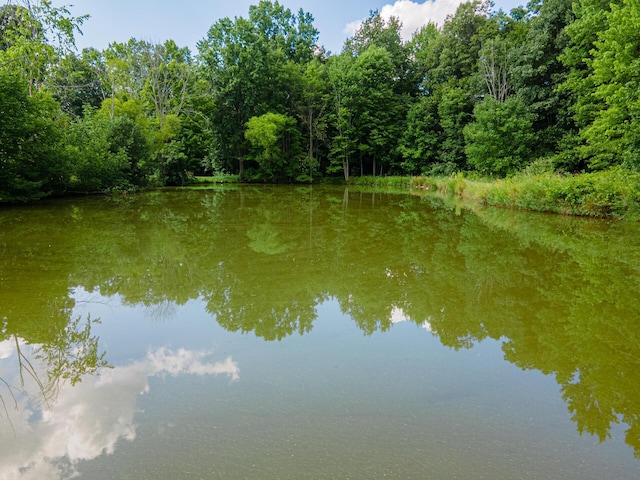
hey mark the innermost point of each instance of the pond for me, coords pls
(315, 332)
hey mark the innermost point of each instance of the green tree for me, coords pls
(191, 150)
(95, 165)
(31, 161)
(248, 64)
(386, 33)
(313, 110)
(76, 84)
(341, 119)
(614, 137)
(169, 76)
(420, 142)
(273, 147)
(447, 62)
(591, 18)
(378, 111)
(455, 111)
(34, 34)
(459, 45)
(537, 72)
(499, 141)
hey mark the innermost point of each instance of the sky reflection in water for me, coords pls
(49, 437)
(394, 318)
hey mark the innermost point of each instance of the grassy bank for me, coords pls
(219, 179)
(369, 181)
(611, 193)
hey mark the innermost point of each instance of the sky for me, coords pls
(188, 21)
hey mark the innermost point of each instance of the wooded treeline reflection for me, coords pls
(561, 292)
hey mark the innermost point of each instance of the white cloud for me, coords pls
(352, 27)
(87, 420)
(397, 315)
(188, 361)
(413, 15)
(8, 347)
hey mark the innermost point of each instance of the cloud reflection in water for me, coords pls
(87, 420)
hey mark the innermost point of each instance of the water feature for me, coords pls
(315, 332)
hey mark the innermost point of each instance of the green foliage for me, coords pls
(127, 138)
(499, 141)
(376, 31)
(250, 64)
(455, 107)
(537, 72)
(555, 82)
(610, 193)
(218, 179)
(272, 138)
(341, 118)
(420, 142)
(378, 181)
(32, 35)
(613, 137)
(96, 165)
(459, 45)
(31, 166)
(378, 112)
(590, 19)
(107, 154)
(75, 83)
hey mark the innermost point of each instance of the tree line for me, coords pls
(552, 86)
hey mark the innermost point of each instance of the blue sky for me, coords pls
(187, 22)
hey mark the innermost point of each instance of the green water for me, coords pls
(294, 332)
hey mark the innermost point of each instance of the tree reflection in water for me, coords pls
(560, 292)
(71, 355)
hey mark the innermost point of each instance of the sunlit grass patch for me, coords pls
(218, 179)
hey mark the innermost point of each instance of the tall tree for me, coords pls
(168, 78)
(76, 83)
(33, 34)
(591, 18)
(32, 164)
(448, 64)
(537, 72)
(614, 137)
(343, 140)
(246, 63)
(386, 33)
(499, 140)
(419, 144)
(313, 109)
(272, 138)
(420, 141)
(379, 112)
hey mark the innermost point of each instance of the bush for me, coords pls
(500, 140)
(609, 193)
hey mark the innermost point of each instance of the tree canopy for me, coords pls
(487, 92)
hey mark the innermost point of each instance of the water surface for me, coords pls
(294, 332)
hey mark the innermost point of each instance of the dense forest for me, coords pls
(550, 87)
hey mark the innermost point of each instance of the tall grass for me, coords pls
(613, 193)
(371, 181)
(223, 178)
